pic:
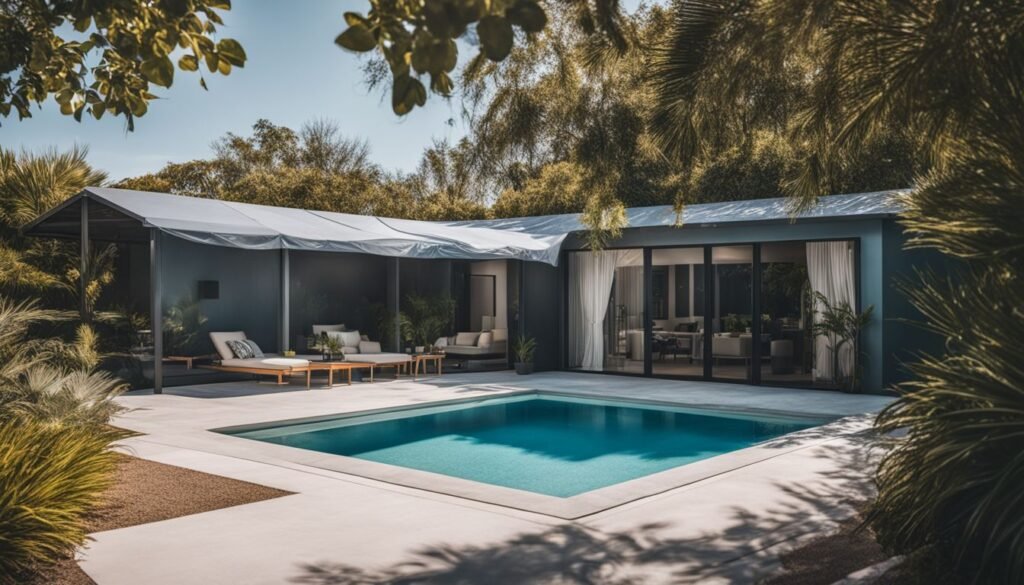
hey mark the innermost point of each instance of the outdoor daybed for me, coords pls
(263, 364)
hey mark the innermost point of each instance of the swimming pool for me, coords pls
(546, 444)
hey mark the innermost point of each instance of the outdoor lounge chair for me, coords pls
(358, 348)
(267, 365)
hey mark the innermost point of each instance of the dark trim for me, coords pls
(755, 317)
(566, 277)
(709, 312)
(156, 309)
(648, 318)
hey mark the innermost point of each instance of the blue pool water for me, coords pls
(545, 444)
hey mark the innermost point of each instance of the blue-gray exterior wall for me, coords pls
(905, 339)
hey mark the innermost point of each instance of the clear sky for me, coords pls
(294, 73)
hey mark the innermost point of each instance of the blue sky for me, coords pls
(295, 73)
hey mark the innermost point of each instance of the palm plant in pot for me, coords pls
(524, 348)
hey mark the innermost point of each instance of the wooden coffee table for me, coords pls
(339, 366)
(426, 359)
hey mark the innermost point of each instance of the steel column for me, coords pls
(285, 301)
(156, 309)
(83, 280)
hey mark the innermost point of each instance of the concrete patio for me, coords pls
(341, 528)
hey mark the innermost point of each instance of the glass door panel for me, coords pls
(732, 341)
(787, 355)
(677, 307)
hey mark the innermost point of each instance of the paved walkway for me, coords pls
(340, 529)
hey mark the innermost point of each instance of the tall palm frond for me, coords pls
(34, 183)
(67, 397)
(948, 74)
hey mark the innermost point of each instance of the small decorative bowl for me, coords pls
(289, 353)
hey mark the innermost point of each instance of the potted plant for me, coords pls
(840, 325)
(524, 348)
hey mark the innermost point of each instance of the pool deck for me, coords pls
(343, 528)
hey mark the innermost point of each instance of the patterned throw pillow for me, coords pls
(241, 349)
(255, 349)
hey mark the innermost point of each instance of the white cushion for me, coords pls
(379, 358)
(347, 349)
(466, 338)
(266, 363)
(441, 342)
(499, 334)
(350, 338)
(318, 329)
(369, 347)
(220, 339)
(484, 340)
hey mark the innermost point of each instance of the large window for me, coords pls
(728, 319)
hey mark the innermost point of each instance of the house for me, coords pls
(726, 291)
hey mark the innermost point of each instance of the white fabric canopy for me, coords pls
(860, 205)
(261, 227)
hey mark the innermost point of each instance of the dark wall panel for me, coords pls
(331, 288)
(541, 312)
(424, 277)
(249, 282)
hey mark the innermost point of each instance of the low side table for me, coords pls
(339, 366)
(426, 359)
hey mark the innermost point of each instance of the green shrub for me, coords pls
(50, 476)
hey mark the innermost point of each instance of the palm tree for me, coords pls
(951, 75)
(33, 183)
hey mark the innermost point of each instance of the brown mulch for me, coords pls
(146, 491)
(828, 559)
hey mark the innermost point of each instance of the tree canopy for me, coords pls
(119, 50)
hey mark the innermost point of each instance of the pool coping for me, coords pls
(570, 508)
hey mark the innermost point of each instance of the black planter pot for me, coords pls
(524, 368)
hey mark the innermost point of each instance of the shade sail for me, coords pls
(536, 239)
(262, 227)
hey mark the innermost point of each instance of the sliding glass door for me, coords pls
(742, 313)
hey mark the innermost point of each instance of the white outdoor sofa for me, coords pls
(470, 344)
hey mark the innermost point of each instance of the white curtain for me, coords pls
(591, 275)
(831, 272)
(629, 292)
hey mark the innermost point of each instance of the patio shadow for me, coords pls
(581, 554)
